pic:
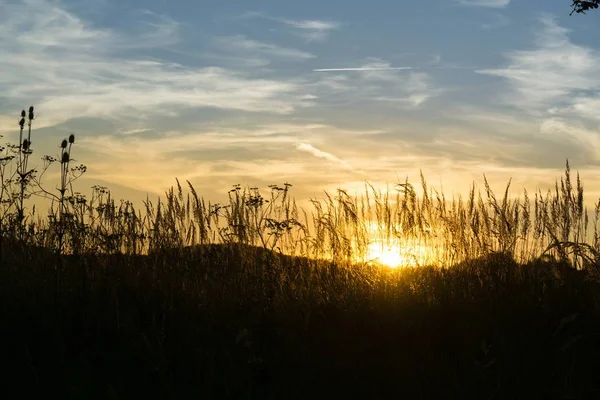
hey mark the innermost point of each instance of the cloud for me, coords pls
(586, 141)
(496, 21)
(216, 157)
(552, 74)
(311, 25)
(587, 107)
(70, 68)
(135, 131)
(182, 154)
(414, 99)
(381, 82)
(485, 3)
(9, 124)
(360, 69)
(154, 31)
(306, 147)
(311, 30)
(241, 44)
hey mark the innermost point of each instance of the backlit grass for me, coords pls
(490, 297)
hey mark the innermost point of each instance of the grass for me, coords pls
(258, 298)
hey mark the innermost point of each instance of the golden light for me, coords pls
(391, 256)
(394, 251)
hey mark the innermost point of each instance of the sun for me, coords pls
(391, 256)
(395, 251)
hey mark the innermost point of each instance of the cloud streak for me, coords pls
(379, 81)
(551, 76)
(308, 148)
(485, 3)
(311, 30)
(240, 43)
(361, 69)
(68, 68)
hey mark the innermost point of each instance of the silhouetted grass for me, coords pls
(241, 322)
(258, 298)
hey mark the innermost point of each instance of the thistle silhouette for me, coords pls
(24, 151)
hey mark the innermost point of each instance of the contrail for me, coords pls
(361, 69)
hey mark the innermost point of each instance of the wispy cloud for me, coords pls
(378, 81)
(413, 99)
(360, 69)
(152, 31)
(218, 156)
(135, 131)
(241, 44)
(306, 147)
(69, 68)
(496, 21)
(8, 124)
(586, 141)
(183, 154)
(552, 74)
(485, 3)
(257, 127)
(311, 30)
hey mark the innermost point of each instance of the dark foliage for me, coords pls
(581, 6)
(103, 302)
(243, 323)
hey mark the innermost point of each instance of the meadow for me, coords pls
(387, 294)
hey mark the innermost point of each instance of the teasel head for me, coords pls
(31, 113)
(71, 138)
(65, 157)
(64, 143)
(26, 144)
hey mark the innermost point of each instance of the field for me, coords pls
(492, 297)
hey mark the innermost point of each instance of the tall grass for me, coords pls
(342, 227)
(257, 297)
(339, 226)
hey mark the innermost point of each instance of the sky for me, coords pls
(321, 94)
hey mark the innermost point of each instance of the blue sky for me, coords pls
(322, 94)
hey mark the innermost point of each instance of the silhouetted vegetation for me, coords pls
(582, 6)
(257, 298)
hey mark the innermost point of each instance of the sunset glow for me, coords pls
(223, 95)
(397, 255)
(273, 199)
(390, 256)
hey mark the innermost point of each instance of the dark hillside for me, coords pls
(241, 322)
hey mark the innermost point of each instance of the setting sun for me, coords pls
(388, 256)
(395, 256)
(393, 250)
